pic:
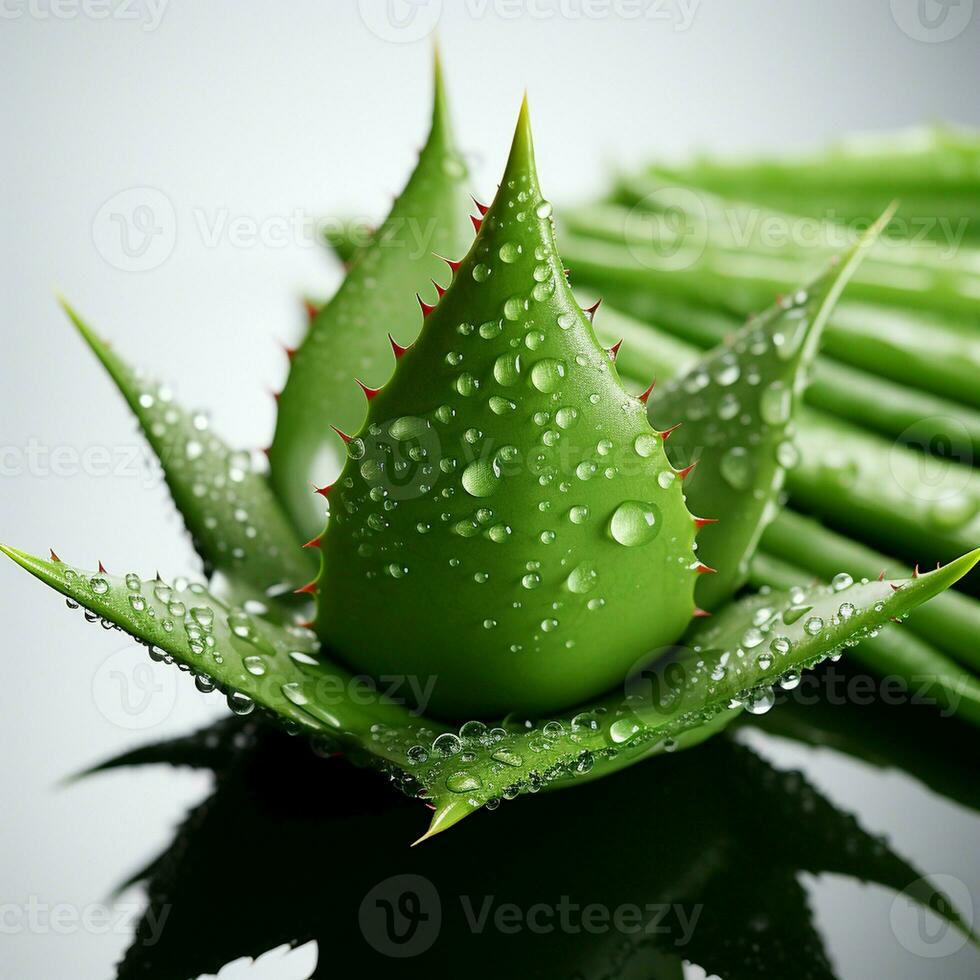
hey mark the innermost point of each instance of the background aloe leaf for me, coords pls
(348, 337)
(691, 690)
(735, 409)
(722, 813)
(234, 519)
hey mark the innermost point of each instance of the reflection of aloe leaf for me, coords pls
(909, 738)
(732, 834)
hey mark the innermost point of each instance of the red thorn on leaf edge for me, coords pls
(290, 352)
(477, 223)
(427, 308)
(313, 542)
(700, 613)
(915, 571)
(482, 208)
(881, 577)
(703, 569)
(369, 393)
(453, 264)
(613, 351)
(323, 491)
(682, 474)
(102, 568)
(646, 394)
(54, 556)
(665, 435)
(895, 587)
(343, 435)
(699, 522)
(308, 589)
(311, 309)
(396, 347)
(590, 312)
(440, 290)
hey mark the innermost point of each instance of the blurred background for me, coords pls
(219, 132)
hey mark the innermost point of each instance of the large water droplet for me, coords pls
(583, 578)
(635, 522)
(480, 478)
(547, 374)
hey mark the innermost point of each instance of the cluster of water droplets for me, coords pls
(740, 408)
(222, 483)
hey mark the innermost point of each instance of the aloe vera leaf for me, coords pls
(255, 662)
(950, 621)
(895, 653)
(504, 450)
(735, 409)
(259, 663)
(921, 504)
(348, 338)
(914, 347)
(673, 698)
(235, 522)
(940, 425)
(890, 494)
(945, 275)
(346, 239)
(932, 170)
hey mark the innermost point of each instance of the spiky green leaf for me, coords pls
(233, 517)
(735, 408)
(672, 699)
(348, 338)
(505, 467)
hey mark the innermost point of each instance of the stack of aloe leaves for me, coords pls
(508, 517)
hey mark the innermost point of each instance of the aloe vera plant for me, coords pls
(504, 520)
